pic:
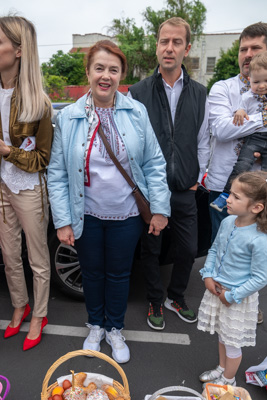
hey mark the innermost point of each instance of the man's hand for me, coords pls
(65, 235)
(4, 149)
(194, 187)
(213, 286)
(157, 224)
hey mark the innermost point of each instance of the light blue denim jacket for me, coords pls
(66, 168)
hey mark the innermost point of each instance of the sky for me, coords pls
(57, 20)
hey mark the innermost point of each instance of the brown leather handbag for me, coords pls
(141, 201)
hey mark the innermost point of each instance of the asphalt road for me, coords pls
(175, 356)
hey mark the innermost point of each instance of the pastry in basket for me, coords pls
(97, 394)
(79, 380)
(77, 394)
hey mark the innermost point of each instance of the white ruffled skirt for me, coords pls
(235, 324)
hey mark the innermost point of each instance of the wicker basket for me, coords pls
(124, 389)
(175, 389)
(211, 388)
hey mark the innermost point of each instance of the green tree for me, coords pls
(193, 12)
(70, 66)
(226, 66)
(54, 85)
(138, 48)
(139, 44)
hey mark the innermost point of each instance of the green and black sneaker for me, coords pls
(181, 310)
(155, 317)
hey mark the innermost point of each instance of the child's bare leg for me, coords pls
(231, 367)
(222, 354)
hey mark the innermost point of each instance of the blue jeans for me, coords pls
(215, 216)
(257, 142)
(105, 251)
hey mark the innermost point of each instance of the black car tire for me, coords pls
(65, 267)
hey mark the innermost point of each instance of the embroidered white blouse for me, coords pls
(108, 196)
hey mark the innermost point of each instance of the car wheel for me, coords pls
(65, 267)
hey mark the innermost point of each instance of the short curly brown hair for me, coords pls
(177, 21)
(109, 47)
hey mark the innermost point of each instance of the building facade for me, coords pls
(83, 42)
(205, 52)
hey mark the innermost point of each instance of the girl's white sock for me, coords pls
(232, 380)
(220, 369)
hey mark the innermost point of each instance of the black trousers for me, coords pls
(183, 225)
(255, 142)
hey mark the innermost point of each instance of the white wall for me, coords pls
(209, 45)
(89, 39)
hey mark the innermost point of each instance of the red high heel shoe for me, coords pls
(28, 343)
(13, 331)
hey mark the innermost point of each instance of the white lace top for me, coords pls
(12, 176)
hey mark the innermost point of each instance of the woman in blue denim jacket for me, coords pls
(92, 205)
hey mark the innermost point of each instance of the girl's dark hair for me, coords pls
(254, 186)
(109, 47)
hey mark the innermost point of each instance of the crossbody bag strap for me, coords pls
(114, 159)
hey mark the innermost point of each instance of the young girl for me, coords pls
(234, 271)
(25, 143)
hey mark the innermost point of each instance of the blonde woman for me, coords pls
(25, 143)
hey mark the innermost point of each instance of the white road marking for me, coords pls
(157, 337)
(134, 336)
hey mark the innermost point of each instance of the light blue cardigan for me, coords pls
(66, 167)
(238, 260)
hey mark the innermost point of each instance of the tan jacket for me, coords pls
(29, 161)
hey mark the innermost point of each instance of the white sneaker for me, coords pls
(96, 334)
(120, 350)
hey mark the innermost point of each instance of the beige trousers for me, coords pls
(24, 211)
